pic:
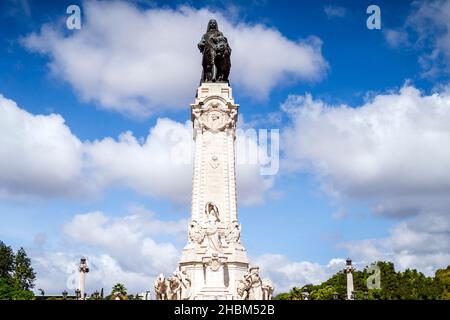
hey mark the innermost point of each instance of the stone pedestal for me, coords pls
(83, 269)
(214, 260)
(349, 271)
(214, 116)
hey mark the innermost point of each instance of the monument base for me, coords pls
(214, 263)
(214, 275)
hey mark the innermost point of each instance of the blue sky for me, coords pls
(363, 118)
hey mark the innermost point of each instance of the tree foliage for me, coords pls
(23, 271)
(16, 274)
(443, 279)
(6, 260)
(11, 290)
(395, 285)
(119, 290)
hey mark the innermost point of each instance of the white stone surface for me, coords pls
(83, 269)
(214, 260)
(349, 271)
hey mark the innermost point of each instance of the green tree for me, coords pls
(119, 290)
(16, 274)
(322, 293)
(442, 278)
(10, 290)
(407, 285)
(282, 296)
(295, 294)
(6, 260)
(23, 271)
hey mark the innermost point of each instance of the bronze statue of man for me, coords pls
(216, 54)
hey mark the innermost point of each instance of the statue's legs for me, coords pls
(209, 74)
(208, 66)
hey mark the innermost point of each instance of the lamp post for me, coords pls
(64, 294)
(305, 294)
(335, 296)
(349, 271)
(83, 269)
(95, 295)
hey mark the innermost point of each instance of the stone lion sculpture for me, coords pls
(222, 59)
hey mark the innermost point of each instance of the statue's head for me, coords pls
(254, 270)
(211, 209)
(212, 25)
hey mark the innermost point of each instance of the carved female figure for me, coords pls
(212, 230)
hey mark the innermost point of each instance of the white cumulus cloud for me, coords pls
(392, 151)
(139, 62)
(286, 274)
(391, 154)
(427, 30)
(40, 156)
(131, 249)
(420, 243)
(128, 239)
(57, 271)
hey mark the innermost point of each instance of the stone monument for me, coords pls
(214, 263)
(349, 271)
(83, 269)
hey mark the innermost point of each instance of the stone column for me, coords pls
(214, 258)
(214, 116)
(349, 271)
(83, 269)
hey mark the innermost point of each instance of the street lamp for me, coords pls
(96, 295)
(366, 295)
(64, 294)
(78, 294)
(305, 294)
(335, 296)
